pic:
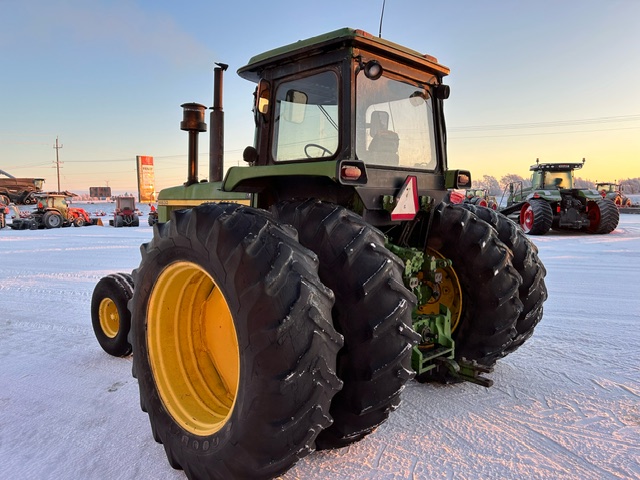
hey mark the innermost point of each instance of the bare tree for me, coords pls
(514, 178)
(631, 185)
(583, 183)
(488, 183)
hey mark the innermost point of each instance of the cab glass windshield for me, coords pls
(394, 124)
(558, 180)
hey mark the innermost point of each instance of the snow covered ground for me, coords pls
(564, 406)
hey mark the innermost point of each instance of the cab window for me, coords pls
(395, 123)
(306, 118)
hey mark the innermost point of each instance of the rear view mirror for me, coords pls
(262, 100)
(294, 106)
(458, 179)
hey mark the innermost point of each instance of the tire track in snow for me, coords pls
(26, 326)
(542, 441)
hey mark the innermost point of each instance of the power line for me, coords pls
(547, 133)
(560, 123)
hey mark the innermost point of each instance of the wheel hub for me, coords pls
(109, 317)
(193, 348)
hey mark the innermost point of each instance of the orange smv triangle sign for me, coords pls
(407, 200)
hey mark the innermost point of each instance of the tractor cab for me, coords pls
(341, 113)
(605, 188)
(553, 176)
(55, 202)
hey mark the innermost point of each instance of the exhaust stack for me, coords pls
(193, 122)
(216, 120)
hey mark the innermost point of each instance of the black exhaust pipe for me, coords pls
(216, 120)
(193, 122)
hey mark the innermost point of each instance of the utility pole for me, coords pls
(58, 147)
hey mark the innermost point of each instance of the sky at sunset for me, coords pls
(554, 80)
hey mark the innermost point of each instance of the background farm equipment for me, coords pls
(481, 198)
(4, 211)
(294, 299)
(21, 191)
(552, 202)
(614, 192)
(125, 214)
(152, 219)
(53, 211)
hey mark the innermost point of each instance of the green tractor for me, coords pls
(481, 197)
(283, 308)
(552, 202)
(614, 192)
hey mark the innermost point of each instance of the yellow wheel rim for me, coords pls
(193, 348)
(448, 293)
(109, 318)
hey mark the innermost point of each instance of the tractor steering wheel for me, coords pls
(320, 147)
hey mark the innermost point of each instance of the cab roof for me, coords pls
(555, 167)
(345, 38)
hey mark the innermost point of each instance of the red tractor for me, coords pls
(125, 214)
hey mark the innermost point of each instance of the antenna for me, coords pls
(381, 17)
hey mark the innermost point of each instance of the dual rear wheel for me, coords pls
(247, 362)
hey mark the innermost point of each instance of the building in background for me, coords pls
(101, 193)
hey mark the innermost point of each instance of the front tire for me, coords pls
(229, 307)
(489, 283)
(110, 316)
(372, 311)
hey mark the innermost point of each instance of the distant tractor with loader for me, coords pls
(283, 308)
(53, 211)
(552, 202)
(125, 214)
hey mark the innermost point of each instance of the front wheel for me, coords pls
(372, 311)
(228, 306)
(110, 315)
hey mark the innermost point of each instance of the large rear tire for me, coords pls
(228, 306)
(110, 316)
(372, 311)
(489, 298)
(533, 291)
(603, 216)
(52, 220)
(536, 217)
